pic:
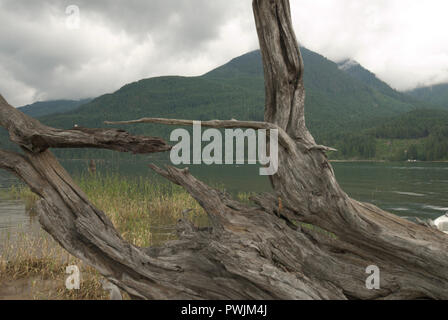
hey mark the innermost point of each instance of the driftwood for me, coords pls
(33, 136)
(307, 240)
(284, 139)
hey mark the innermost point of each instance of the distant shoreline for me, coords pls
(383, 161)
(332, 160)
(359, 161)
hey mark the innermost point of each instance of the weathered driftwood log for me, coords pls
(32, 135)
(284, 139)
(250, 252)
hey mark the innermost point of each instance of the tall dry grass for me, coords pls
(144, 212)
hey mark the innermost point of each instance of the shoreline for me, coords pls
(331, 160)
(360, 161)
(389, 161)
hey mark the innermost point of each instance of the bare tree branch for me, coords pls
(36, 137)
(284, 139)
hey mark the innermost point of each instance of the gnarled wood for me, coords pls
(32, 135)
(307, 240)
(284, 138)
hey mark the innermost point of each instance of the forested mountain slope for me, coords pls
(335, 100)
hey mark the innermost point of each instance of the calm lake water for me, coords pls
(406, 189)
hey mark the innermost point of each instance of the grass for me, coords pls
(35, 264)
(314, 228)
(144, 212)
(22, 193)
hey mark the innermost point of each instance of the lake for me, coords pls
(406, 189)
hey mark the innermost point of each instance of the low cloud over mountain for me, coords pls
(401, 41)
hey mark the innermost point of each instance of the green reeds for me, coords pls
(145, 213)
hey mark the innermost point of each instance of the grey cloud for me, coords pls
(142, 37)
(402, 41)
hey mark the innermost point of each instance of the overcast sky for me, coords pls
(45, 54)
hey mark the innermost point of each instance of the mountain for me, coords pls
(416, 124)
(357, 71)
(423, 135)
(335, 99)
(420, 134)
(437, 94)
(44, 108)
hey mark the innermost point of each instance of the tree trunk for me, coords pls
(307, 240)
